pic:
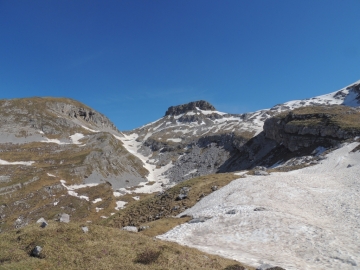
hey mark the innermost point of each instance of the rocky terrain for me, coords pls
(194, 139)
(51, 147)
(58, 156)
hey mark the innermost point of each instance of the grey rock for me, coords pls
(85, 229)
(349, 166)
(130, 229)
(260, 209)
(261, 173)
(260, 168)
(231, 212)
(198, 220)
(143, 228)
(201, 104)
(181, 197)
(64, 218)
(36, 251)
(214, 188)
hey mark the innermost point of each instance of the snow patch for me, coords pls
(120, 205)
(26, 163)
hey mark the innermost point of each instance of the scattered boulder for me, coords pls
(260, 168)
(269, 267)
(231, 212)
(36, 251)
(183, 193)
(42, 222)
(349, 166)
(143, 228)
(198, 220)
(130, 229)
(261, 173)
(213, 188)
(260, 209)
(64, 218)
(85, 229)
(181, 197)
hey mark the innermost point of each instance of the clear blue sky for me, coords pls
(132, 59)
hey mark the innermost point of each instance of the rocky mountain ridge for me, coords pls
(192, 141)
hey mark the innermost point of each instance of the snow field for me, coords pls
(304, 219)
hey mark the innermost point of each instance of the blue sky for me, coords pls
(133, 59)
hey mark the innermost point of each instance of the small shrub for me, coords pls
(147, 256)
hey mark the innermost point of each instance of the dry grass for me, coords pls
(65, 246)
(153, 208)
(344, 117)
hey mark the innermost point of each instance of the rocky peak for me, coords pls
(201, 104)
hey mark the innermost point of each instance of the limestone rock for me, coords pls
(130, 229)
(64, 218)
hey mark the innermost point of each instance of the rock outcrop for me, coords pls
(180, 109)
(316, 125)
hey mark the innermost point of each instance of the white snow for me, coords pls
(174, 139)
(136, 198)
(311, 218)
(49, 174)
(76, 137)
(155, 174)
(26, 163)
(71, 189)
(97, 200)
(117, 194)
(90, 129)
(120, 205)
(97, 209)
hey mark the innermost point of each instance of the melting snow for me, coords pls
(120, 205)
(26, 163)
(303, 219)
(76, 137)
(175, 139)
(97, 200)
(90, 129)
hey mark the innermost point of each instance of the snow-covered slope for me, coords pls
(303, 219)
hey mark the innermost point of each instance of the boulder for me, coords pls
(64, 218)
(130, 229)
(85, 229)
(36, 251)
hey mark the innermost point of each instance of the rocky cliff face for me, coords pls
(192, 106)
(304, 127)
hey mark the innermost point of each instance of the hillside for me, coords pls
(48, 146)
(196, 176)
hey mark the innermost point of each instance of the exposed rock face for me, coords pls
(299, 130)
(201, 104)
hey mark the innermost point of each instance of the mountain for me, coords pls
(51, 147)
(295, 164)
(194, 139)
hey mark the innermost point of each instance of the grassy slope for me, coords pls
(345, 117)
(65, 246)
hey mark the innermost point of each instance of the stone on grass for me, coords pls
(85, 229)
(130, 229)
(64, 218)
(42, 222)
(36, 251)
(261, 173)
